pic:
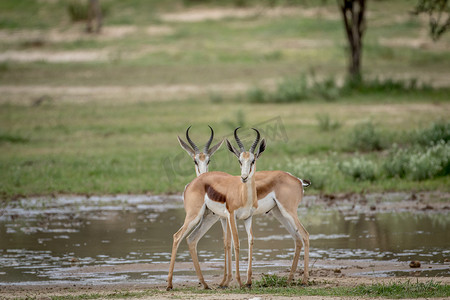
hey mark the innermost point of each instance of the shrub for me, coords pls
(436, 132)
(387, 85)
(359, 169)
(291, 90)
(78, 10)
(397, 163)
(365, 137)
(257, 95)
(268, 280)
(432, 162)
(419, 163)
(311, 169)
(325, 123)
(327, 89)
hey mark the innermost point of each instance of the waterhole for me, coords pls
(52, 239)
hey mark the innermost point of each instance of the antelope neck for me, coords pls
(248, 193)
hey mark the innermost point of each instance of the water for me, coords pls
(45, 240)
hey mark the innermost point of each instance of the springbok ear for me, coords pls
(232, 149)
(261, 148)
(215, 148)
(185, 146)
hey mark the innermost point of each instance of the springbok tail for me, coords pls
(305, 182)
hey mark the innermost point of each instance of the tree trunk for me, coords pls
(353, 13)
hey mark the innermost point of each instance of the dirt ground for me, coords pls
(323, 274)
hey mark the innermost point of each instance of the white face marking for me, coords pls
(247, 161)
(201, 162)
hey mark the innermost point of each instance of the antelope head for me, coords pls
(201, 158)
(248, 158)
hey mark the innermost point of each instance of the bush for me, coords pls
(291, 90)
(365, 137)
(435, 161)
(419, 163)
(359, 169)
(325, 123)
(436, 132)
(268, 280)
(313, 169)
(78, 10)
(257, 95)
(327, 89)
(387, 85)
(397, 163)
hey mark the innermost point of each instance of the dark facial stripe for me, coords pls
(215, 195)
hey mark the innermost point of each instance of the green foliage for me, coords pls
(271, 280)
(301, 88)
(385, 86)
(359, 168)
(403, 290)
(438, 131)
(291, 90)
(432, 162)
(78, 10)
(257, 95)
(397, 162)
(296, 89)
(365, 137)
(438, 12)
(326, 124)
(318, 172)
(12, 138)
(419, 162)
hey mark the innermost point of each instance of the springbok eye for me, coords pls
(253, 162)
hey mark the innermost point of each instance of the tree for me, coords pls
(438, 15)
(353, 14)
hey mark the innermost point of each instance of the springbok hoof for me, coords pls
(207, 288)
(169, 288)
(223, 287)
(248, 285)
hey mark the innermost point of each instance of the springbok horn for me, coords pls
(255, 143)
(208, 143)
(238, 141)
(190, 141)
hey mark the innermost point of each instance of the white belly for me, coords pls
(216, 207)
(265, 204)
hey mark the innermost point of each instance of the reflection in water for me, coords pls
(39, 237)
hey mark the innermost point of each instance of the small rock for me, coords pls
(414, 264)
(337, 271)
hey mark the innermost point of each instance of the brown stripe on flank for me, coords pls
(215, 195)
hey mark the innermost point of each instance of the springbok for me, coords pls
(279, 193)
(201, 159)
(226, 196)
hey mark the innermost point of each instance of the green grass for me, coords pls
(131, 148)
(393, 290)
(126, 143)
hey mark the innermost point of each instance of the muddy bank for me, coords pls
(324, 274)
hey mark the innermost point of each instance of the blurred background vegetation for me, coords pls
(97, 110)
